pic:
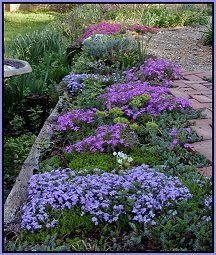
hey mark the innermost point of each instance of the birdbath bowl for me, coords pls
(13, 67)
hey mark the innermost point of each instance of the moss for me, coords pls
(145, 157)
(91, 161)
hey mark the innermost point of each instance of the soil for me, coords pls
(183, 46)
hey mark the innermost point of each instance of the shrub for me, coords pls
(112, 50)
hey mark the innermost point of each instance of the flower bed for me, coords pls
(120, 173)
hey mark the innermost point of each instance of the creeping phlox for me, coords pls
(102, 27)
(76, 82)
(122, 159)
(122, 96)
(141, 193)
(106, 135)
(155, 70)
(176, 134)
(105, 28)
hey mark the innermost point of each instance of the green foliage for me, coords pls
(32, 47)
(116, 112)
(15, 90)
(17, 124)
(139, 101)
(87, 98)
(145, 157)
(168, 17)
(121, 120)
(16, 149)
(49, 244)
(82, 16)
(22, 22)
(35, 116)
(49, 164)
(112, 49)
(208, 36)
(90, 161)
(151, 125)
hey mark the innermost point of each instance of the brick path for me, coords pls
(199, 93)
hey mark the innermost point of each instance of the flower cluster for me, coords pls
(104, 196)
(175, 134)
(155, 70)
(106, 135)
(102, 27)
(122, 159)
(120, 95)
(76, 82)
(72, 119)
(142, 29)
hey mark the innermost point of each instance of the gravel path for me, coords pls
(183, 46)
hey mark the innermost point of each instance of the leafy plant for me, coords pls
(16, 149)
(32, 47)
(208, 36)
(35, 116)
(112, 50)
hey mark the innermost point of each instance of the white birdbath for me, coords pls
(13, 67)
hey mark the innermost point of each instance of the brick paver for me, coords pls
(199, 93)
(206, 171)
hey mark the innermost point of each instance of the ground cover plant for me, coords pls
(118, 173)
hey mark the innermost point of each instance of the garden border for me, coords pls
(18, 195)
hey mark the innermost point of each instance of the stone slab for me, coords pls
(197, 86)
(196, 105)
(180, 83)
(205, 171)
(204, 148)
(203, 130)
(200, 122)
(208, 113)
(205, 92)
(178, 93)
(202, 98)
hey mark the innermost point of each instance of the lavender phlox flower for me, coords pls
(158, 70)
(100, 195)
(110, 135)
(120, 95)
(174, 132)
(71, 120)
(76, 82)
(187, 146)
